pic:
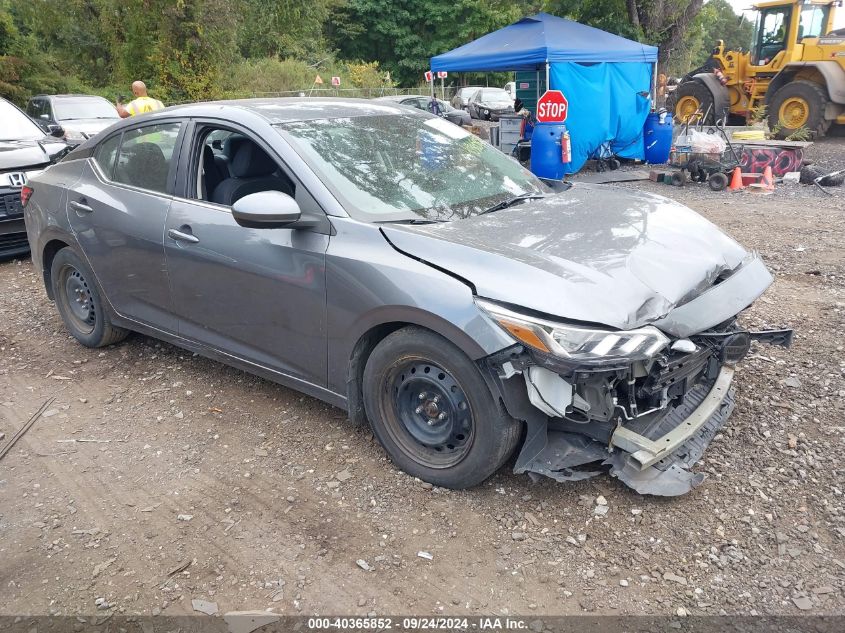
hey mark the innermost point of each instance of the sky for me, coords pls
(739, 5)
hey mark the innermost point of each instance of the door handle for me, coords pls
(179, 236)
(80, 207)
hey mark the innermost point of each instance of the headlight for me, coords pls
(75, 136)
(575, 342)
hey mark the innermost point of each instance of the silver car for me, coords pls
(392, 264)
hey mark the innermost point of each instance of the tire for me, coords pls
(679, 178)
(688, 93)
(809, 173)
(812, 96)
(79, 301)
(717, 181)
(432, 411)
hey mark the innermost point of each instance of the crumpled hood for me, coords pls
(593, 253)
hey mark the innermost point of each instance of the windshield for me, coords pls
(813, 20)
(493, 94)
(83, 108)
(406, 166)
(16, 126)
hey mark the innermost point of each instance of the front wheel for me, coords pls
(693, 103)
(79, 301)
(432, 411)
(799, 105)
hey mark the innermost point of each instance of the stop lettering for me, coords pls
(552, 107)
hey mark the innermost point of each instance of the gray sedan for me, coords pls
(430, 104)
(394, 265)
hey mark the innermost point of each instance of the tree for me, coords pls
(663, 23)
(403, 34)
(281, 28)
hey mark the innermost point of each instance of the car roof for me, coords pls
(285, 109)
(397, 98)
(69, 96)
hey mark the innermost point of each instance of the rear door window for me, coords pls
(146, 156)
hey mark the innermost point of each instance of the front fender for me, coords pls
(370, 285)
(721, 99)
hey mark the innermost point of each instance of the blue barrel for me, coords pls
(657, 138)
(546, 159)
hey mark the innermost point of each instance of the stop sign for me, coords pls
(552, 107)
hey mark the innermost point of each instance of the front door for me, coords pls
(256, 294)
(117, 212)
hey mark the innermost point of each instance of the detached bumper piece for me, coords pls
(657, 460)
(653, 455)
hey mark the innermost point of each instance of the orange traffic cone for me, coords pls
(768, 180)
(736, 180)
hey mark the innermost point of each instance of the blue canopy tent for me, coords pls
(606, 78)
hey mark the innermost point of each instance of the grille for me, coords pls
(10, 205)
(13, 243)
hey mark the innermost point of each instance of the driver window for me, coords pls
(772, 34)
(230, 165)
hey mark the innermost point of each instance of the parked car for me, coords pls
(25, 151)
(81, 116)
(465, 93)
(422, 102)
(392, 264)
(489, 104)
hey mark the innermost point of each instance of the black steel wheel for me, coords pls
(433, 412)
(436, 419)
(78, 301)
(76, 295)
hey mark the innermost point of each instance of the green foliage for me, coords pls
(281, 28)
(716, 21)
(201, 49)
(403, 34)
(255, 77)
(367, 75)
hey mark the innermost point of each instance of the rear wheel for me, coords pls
(691, 97)
(79, 301)
(799, 104)
(432, 411)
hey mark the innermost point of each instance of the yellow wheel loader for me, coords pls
(795, 68)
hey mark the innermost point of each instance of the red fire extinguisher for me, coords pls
(565, 147)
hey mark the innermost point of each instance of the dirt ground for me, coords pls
(156, 477)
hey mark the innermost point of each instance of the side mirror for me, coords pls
(56, 130)
(266, 210)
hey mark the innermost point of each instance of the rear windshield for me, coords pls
(408, 166)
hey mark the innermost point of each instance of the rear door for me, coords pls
(118, 211)
(255, 293)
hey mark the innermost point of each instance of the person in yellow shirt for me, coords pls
(141, 104)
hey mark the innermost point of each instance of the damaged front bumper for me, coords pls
(684, 400)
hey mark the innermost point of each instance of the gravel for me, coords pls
(764, 534)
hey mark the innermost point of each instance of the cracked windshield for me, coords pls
(396, 167)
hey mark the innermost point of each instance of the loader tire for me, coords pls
(690, 97)
(799, 104)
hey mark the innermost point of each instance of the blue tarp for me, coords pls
(531, 42)
(606, 78)
(608, 106)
